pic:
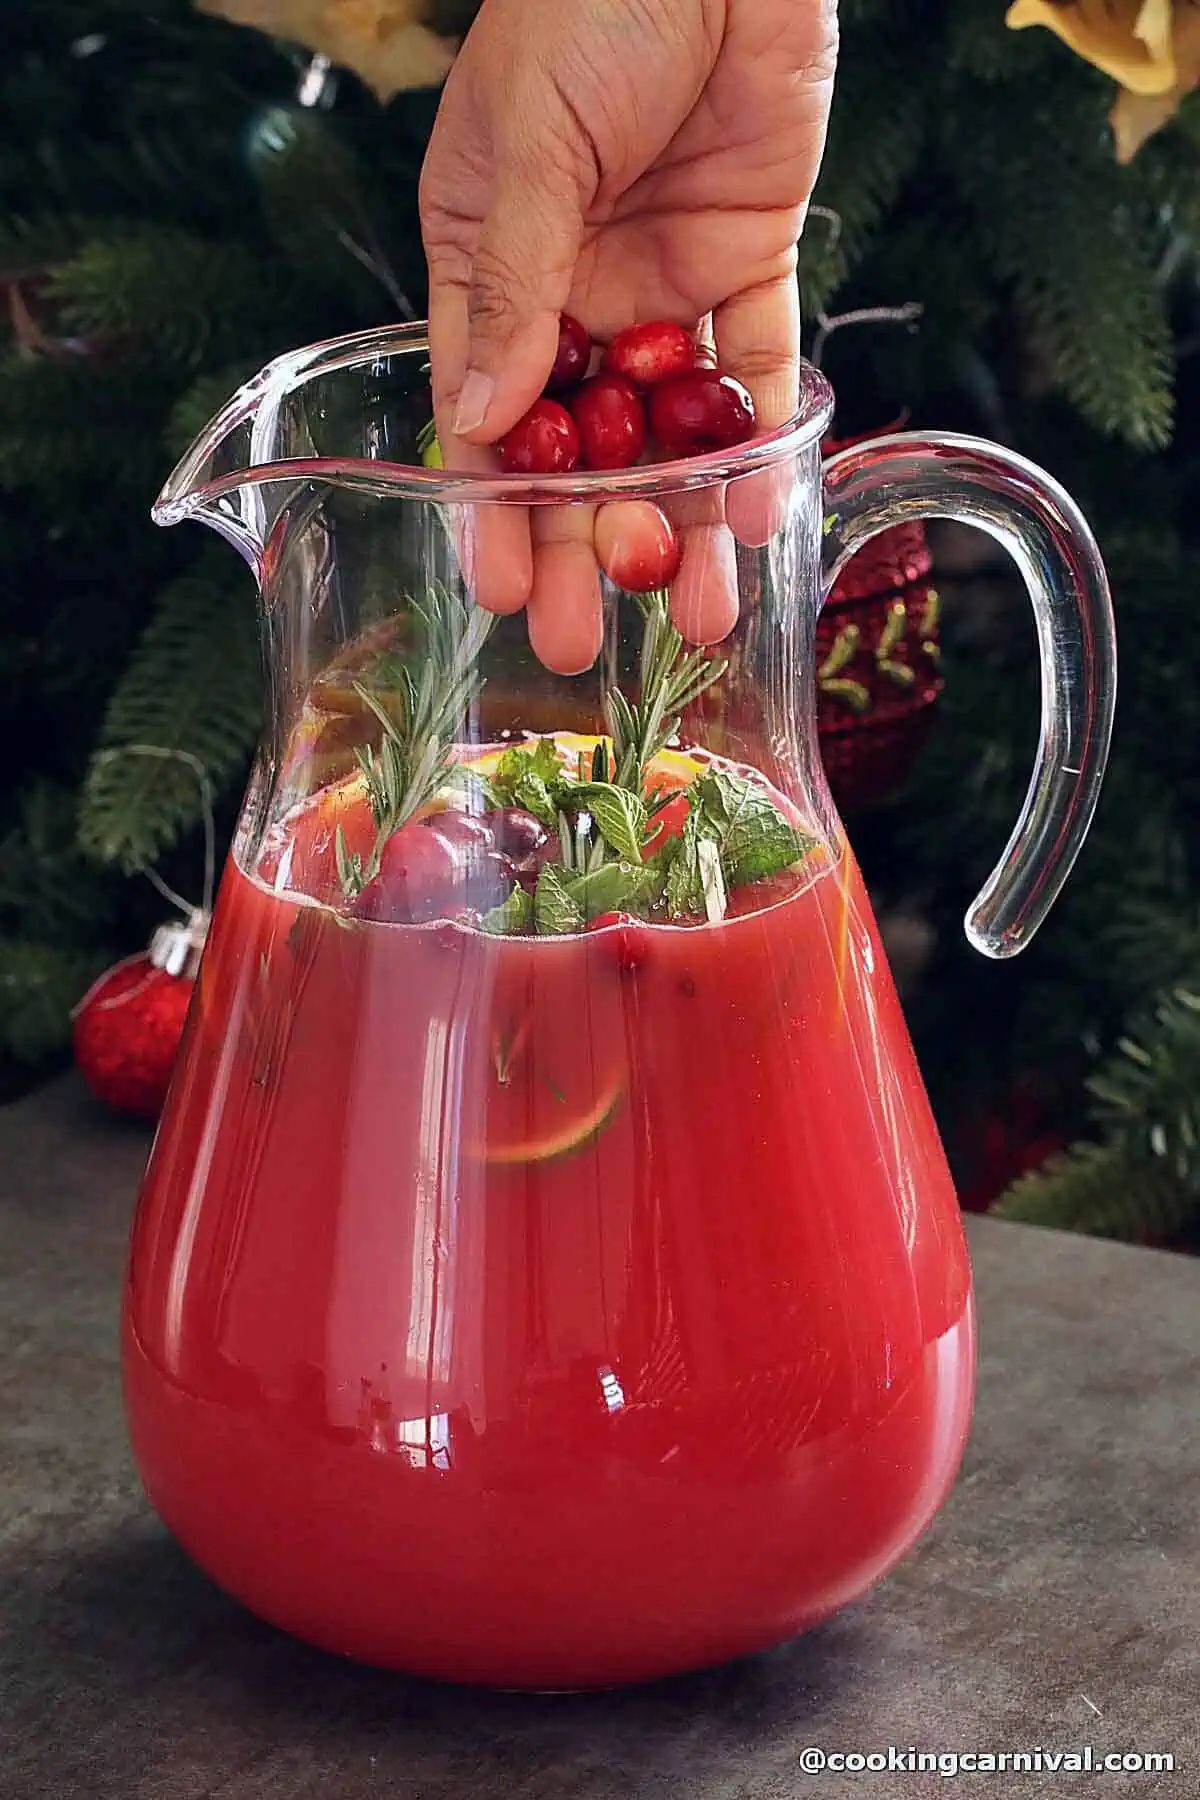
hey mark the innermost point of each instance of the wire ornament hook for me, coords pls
(176, 946)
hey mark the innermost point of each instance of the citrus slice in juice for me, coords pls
(670, 768)
(523, 1127)
(547, 1072)
(304, 860)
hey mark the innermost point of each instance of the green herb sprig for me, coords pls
(672, 679)
(421, 721)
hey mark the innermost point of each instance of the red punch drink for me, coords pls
(545, 1309)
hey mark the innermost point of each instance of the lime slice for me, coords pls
(545, 1144)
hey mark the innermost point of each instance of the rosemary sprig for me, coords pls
(672, 679)
(420, 723)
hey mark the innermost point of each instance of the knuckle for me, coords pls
(494, 286)
(762, 361)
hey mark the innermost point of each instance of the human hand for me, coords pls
(620, 160)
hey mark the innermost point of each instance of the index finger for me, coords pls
(493, 543)
(758, 341)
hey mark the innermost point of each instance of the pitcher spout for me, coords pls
(211, 482)
(326, 412)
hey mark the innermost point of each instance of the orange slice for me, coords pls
(670, 768)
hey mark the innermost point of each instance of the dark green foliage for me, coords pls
(39, 985)
(174, 219)
(1142, 1180)
(169, 220)
(193, 685)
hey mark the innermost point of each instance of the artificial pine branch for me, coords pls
(30, 246)
(1143, 1176)
(49, 892)
(863, 169)
(165, 293)
(1090, 302)
(194, 685)
(1096, 1190)
(198, 404)
(39, 984)
(60, 423)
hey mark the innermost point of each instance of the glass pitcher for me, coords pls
(547, 1273)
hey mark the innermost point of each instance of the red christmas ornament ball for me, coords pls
(127, 1034)
(129, 1023)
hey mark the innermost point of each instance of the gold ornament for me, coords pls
(1150, 47)
(386, 43)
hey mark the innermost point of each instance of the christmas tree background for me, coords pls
(182, 198)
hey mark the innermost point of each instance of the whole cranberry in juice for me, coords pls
(486, 876)
(611, 421)
(647, 354)
(636, 545)
(703, 410)
(516, 833)
(544, 442)
(468, 831)
(525, 841)
(418, 878)
(667, 822)
(625, 942)
(434, 868)
(572, 357)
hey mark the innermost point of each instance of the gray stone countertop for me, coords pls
(1055, 1602)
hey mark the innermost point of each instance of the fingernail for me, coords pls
(473, 402)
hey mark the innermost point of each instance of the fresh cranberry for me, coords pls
(668, 822)
(487, 873)
(611, 421)
(527, 868)
(544, 442)
(468, 830)
(636, 545)
(516, 832)
(573, 355)
(435, 869)
(418, 878)
(701, 411)
(627, 945)
(647, 354)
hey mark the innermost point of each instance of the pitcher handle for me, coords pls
(894, 480)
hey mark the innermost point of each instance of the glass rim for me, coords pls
(184, 493)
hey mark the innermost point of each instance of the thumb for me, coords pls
(520, 278)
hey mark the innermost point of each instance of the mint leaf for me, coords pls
(619, 816)
(567, 899)
(752, 835)
(615, 887)
(538, 758)
(513, 918)
(533, 795)
(555, 909)
(685, 878)
(529, 776)
(477, 787)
